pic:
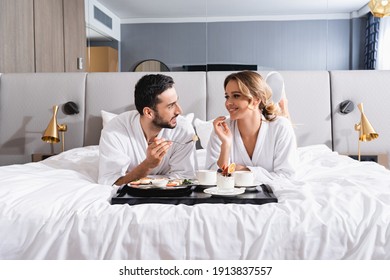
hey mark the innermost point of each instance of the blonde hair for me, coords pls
(252, 85)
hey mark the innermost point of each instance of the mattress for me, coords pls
(335, 208)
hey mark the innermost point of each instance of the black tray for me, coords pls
(261, 195)
(182, 190)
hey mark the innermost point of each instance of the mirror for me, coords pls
(102, 52)
(103, 45)
(201, 42)
(151, 65)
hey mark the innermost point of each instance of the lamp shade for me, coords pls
(379, 8)
(50, 134)
(366, 131)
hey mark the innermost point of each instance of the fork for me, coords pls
(194, 139)
(185, 143)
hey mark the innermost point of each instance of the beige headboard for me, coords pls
(308, 94)
(26, 102)
(114, 92)
(372, 88)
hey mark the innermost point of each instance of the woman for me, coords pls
(254, 137)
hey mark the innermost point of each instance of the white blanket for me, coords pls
(337, 208)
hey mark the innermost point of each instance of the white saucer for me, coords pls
(246, 186)
(215, 191)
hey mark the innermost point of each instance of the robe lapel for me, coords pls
(137, 139)
(260, 142)
(139, 142)
(258, 147)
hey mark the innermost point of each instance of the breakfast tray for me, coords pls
(136, 191)
(191, 195)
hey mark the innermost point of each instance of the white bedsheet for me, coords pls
(336, 208)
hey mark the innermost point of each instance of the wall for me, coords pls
(282, 45)
(96, 25)
(42, 36)
(164, 42)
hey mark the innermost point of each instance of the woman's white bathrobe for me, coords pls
(274, 156)
(123, 146)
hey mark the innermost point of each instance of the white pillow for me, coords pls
(107, 116)
(203, 130)
(189, 117)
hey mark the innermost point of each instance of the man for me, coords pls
(137, 143)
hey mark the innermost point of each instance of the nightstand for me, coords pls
(39, 157)
(373, 158)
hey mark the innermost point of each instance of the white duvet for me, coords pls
(336, 208)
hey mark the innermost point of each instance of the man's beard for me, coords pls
(159, 122)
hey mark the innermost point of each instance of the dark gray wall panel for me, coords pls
(175, 44)
(281, 45)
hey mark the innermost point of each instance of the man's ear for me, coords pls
(148, 112)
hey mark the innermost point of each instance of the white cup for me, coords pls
(225, 183)
(206, 177)
(243, 178)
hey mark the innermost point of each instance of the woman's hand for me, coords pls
(222, 130)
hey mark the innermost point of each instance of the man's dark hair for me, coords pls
(148, 88)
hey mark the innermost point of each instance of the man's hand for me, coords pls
(156, 152)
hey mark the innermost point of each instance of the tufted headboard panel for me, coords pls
(114, 92)
(372, 88)
(308, 94)
(26, 102)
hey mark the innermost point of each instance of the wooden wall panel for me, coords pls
(49, 36)
(16, 36)
(74, 35)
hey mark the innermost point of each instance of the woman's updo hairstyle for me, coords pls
(252, 85)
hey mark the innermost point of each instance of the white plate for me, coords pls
(215, 191)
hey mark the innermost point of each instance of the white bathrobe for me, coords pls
(274, 156)
(123, 146)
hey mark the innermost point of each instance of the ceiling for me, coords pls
(128, 10)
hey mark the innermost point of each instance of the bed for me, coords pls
(335, 208)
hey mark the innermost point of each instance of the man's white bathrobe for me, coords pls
(274, 156)
(123, 146)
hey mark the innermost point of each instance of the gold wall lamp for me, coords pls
(365, 129)
(50, 135)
